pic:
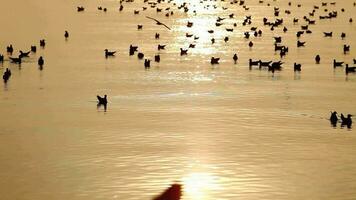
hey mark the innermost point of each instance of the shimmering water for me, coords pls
(223, 131)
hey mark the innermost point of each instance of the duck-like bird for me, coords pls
(158, 22)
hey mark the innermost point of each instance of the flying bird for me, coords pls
(158, 22)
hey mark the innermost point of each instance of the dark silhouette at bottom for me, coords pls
(174, 192)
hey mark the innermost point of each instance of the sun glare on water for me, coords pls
(198, 186)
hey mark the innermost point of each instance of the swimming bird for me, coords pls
(214, 60)
(24, 54)
(157, 58)
(250, 44)
(235, 58)
(16, 60)
(33, 49)
(300, 44)
(80, 8)
(333, 118)
(337, 64)
(346, 48)
(297, 67)
(132, 49)
(346, 120)
(6, 75)
(147, 63)
(40, 61)
(66, 34)
(349, 69)
(328, 34)
(139, 27)
(42, 43)
(343, 35)
(317, 59)
(174, 192)
(9, 49)
(157, 36)
(140, 55)
(183, 51)
(109, 53)
(158, 22)
(159, 47)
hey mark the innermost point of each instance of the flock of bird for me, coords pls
(345, 121)
(272, 24)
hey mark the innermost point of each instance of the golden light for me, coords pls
(198, 186)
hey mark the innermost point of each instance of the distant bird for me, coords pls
(102, 101)
(9, 49)
(349, 69)
(158, 22)
(346, 120)
(174, 192)
(317, 59)
(40, 61)
(157, 36)
(16, 60)
(183, 51)
(157, 58)
(132, 49)
(250, 44)
(337, 64)
(80, 8)
(24, 54)
(42, 43)
(147, 63)
(6, 75)
(297, 67)
(109, 53)
(343, 35)
(300, 44)
(33, 49)
(333, 118)
(235, 58)
(161, 47)
(139, 27)
(1, 58)
(328, 34)
(66, 34)
(140, 55)
(346, 48)
(214, 60)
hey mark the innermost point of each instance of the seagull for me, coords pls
(158, 22)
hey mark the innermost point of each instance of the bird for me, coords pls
(337, 64)
(333, 118)
(33, 49)
(158, 22)
(297, 67)
(174, 192)
(328, 34)
(157, 58)
(140, 55)
(102, 100)
(40, 61)
(9, 49)
(109, 53)
(317, 59)
(6, 75)
(235, 58)
(300, 44)
(16, 60)
(159, 47)
(214, 60)
(66, 34)
(346, 120)
(183, 51)
(147, 63)
(349, 69)
(24, 54)
(42, 43)
(346, 48)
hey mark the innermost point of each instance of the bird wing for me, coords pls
(158, 22)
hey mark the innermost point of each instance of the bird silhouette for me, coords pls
(158, 22)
